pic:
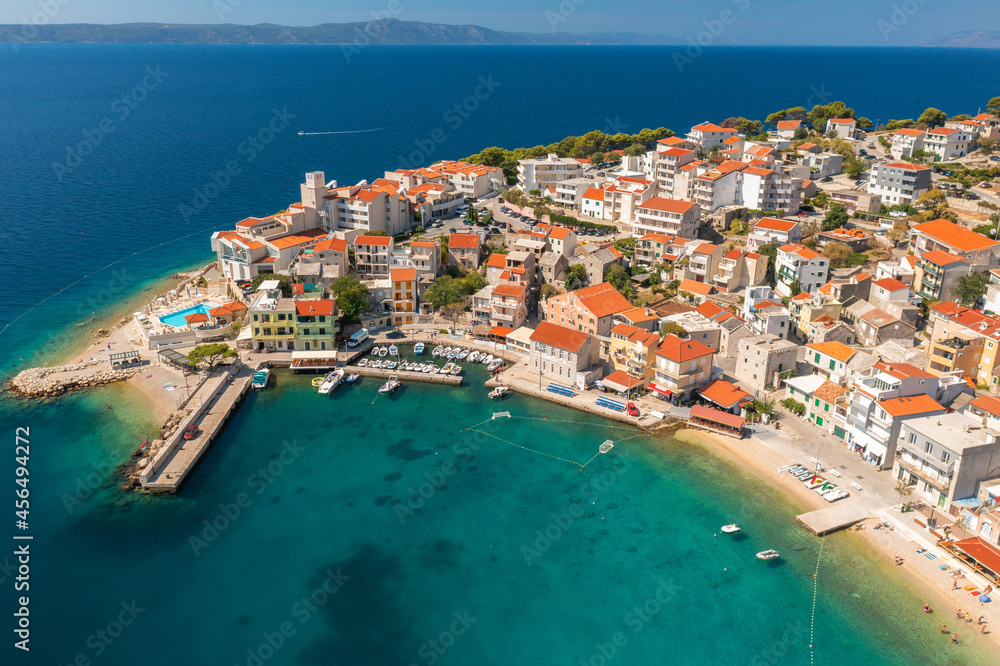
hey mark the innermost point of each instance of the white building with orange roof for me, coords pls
(739, 269)
(682, 366)
(899, 182)
(698, 292)
(703, 261)
(991, 125)
(425, 257)
(643, 318)
(464, 250)
(544, 172)
(592, 203)
(798, 264)
(435, 200)
(899, 268)
(719, 186)
(970, 126)
(772, 231)
(786, 129)
(564, 355)
(473, 181)
(676, 142)
(672, 217)
(373, 256)
(664, 162)
(949, 143)
(844, 128)
(980, 252)
(759, 151)
(709, 135)
(625, 196)
(508, 305)
(763, 188)
(404, 295)
(831, 359)
(906, 141)
(321, 262)
(591, 309)
(652, 247)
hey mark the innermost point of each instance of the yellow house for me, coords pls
(633, 350)
(404, 295)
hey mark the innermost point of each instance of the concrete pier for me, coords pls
(836, 517)
(404, 376)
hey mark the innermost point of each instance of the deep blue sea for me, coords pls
(129, 156)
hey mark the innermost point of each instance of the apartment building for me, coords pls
(899, 182)
(709, 135)
(761, 358)
(633, 350)
(435, 200)
(703, 261)
(590, 309)
(906, 141)
(373, 256)
(404, 295)
(592, 203)
(718, 186)
(766, 189)
(473, 181)
(561, 240)
(425, 257)
(682, 365)
(948, 143)
(821, 164)
(664, 164)
(786, 129)
(980, 252)
(772, 231)
(969, 335)
(570, 192)
(624, 197)
(508, 306)
(739, 269)
(843, 128)
(545, 172)
(464, 250)
(764, 312)
(667, 216)
(564, 355)
(798, 264)
(936, 274)
(854, 201)
(830, 359)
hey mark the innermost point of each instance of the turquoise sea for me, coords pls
(111, 179)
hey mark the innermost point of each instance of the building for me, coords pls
(855, 201)
(545, 172)
(797, 264)
(739, 269)
(562, 240)
(806, 308)
(709, 135)
(948, 143)
(552, 269)
(826, 402)
(623, 198)
(590, 309)
(668, 217)
(473, 181)
(899, 182)
(702, 261)
(772, 231)
(653, 248)
(786, 129)
(508, 306)
(598, 262)
(570, 192)
(633, 350)
(463, 250)
(761, 358)
(696, 292)
(764, 313)
(359, 208)
(946, 456)
(936, 274)
(373, 256)
(830, 359)
(856, 239)
(425, 257)
(664, 164)
(877, 326)
(592, 203)
(726, 396)
(979, 251)
(961, 353)
(820, 164)
(682, 365)
(718, 186)
(317, 323)
(404, 295)
(906, 141)
(843, 128)
(273, 319)
(564, 355)
(769, 190)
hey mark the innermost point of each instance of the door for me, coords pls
(819, 421)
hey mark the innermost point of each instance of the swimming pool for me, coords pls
(176, 319)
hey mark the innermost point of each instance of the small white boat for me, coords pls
(496, 363)
(446, 369)
(331, 381)
(390, 385)
(418, 348)
(487, 360)
(393, 350)
(732, 528)
(419, 367)
(437, 351)
(392, 365)
(350, 379)
(376, 365)
(363, 363)
(382, 351)
(259, 380)
(430, 367)
(445, 352)
(464, 354)
(457, 369)
(499, 392)
(473, 356)
(768, 555)
(453, 354)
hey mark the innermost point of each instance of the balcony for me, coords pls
(918, 466)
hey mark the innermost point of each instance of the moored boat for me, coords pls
(499, 392)
(487, 360)
(382, 351)
(260, 378)
(418, 348)
(457, 369)
(363, 363)
(437, 351)
(430, 367)
(446, 369)
(350, 379)
(392, 365)
(390, 385)
(768, 555)
(495, 363)
(331, 381)
(474, 356)
(732, 528)
(393, 350)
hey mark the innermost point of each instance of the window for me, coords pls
(927, 447)
(912, 438)
(817, 358)
(945, 456)
(833, 364)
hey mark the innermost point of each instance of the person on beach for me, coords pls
(954, 585)
(980, 620)
(954, 639)
(944, 629)
(968, 617)
(959, 614)
(983, 630)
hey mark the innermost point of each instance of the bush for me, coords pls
(794, 406)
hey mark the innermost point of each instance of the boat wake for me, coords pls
(364, 131)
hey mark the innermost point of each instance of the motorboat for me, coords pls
(418, 348)
(445, 352)
(382, 351)
(732, 528)
(331, 381)
(437, 351)
(393, 350)
(473, 356)
(768, 555)
(464, 354)
(376, 365)
(496, 363)
(392, 365)
(419, 367)
(390, 385)
(363, 363)
(430, 367)
(487, 360)
(499, 392)
(260, 378)
(350, 379)
(446, 369)
(455, 351)
(457, 369)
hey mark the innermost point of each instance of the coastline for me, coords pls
(756, 458)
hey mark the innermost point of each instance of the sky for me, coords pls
(800, 22)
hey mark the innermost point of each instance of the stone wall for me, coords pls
(35, 382)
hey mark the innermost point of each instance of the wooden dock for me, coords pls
(404, 376)
(178, 458)
(836, 517)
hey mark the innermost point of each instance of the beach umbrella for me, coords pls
(984, 599)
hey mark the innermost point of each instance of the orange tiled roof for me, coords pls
(465, 241)
(941, 258)
(559, 337)
(677, 350)
(837, 350)
(690, 286)
(322, 306)
(917, 404)
(403, 274)
(725, 394)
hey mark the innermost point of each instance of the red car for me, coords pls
(190, 432)
(632, 409)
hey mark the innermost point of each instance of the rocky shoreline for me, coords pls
(31, 383)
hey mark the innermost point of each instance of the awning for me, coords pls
(619, 380)
(653, 386)
(982, 552)
(501, 331)
(715, 416)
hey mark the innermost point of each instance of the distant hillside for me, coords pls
(386, 31)
(969, 39)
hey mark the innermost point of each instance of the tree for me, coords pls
(865, 123)
(836, 217)
(453, 313)
(993, 106)
(577, 273)
(855, 166)
(933, 117)
(904, 490)
(820, 114)
(794, 406)
(626, 246)
(670, 328)
(635, 150)
(548, 291)
(838, 254)
(822, 199)
(284, 282)
(352, 297)
(932, 198)
(619, 278)
(970, 288)
(900, 230)
(377, 232)
(210, 354)
(445, 291)
(535, 192)
(771, 252)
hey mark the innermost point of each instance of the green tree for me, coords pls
(839, 254)
(932, 198)
(836, 217)
(822, 199)
(900, 231)
(971, 288)
(933, 117)
(855, 166)
(626, 246)
(903, 488)
(284, 282)
(210, 354)
(619, 278)
(865, 123)
(894, 125)
(377, 232)
(993, 106)
(535, 192)
(445, 291)
(352, 298)
(548, 291)
(771, 252)
(821, 113)
(474, 281)
(576, 273)
(635, 150)
(794, 406)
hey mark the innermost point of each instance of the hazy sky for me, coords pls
(847, 22)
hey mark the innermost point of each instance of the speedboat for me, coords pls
(331, 381)
(390, 385)
(445, 352)
(457, 369)
(499, 392)
(350, 379)
(462, 355)
(446, 369)
(473, 356)
(732, 528)
(393, 350)
(453, 354)
(768, 555)
(418, 348)
(260, 378)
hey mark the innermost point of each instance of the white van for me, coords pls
(358, 338)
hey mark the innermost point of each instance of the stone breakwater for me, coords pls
(36, 383)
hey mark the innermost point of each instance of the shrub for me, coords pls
(794, 406)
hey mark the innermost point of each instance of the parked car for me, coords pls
(994, 158)
(452, 230)
(395, 335)
(190, 432)
(828, 179)
(632, 409)
(971, 196)
(495, 230)
(601, 173)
